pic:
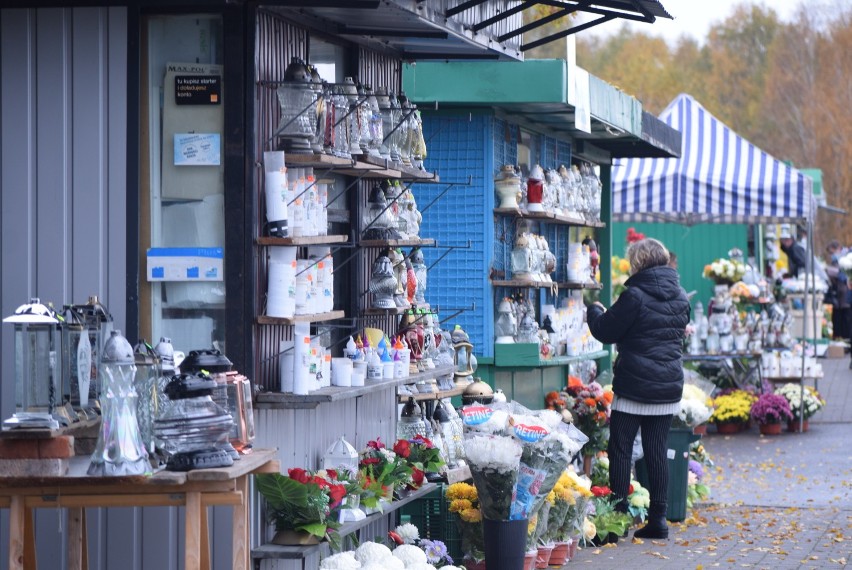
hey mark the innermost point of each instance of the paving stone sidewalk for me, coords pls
(780, 502)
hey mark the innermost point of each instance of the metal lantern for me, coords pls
(341, 456)
(464, 361)
(87, 328)
(148, 398)
(411, 421)
(119, 450)
(38, 369)
(353, 126)
(376, 124)
(395, 128)
(298, 101)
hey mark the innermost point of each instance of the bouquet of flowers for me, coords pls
(693, 407)
(575, 518)
(381, 470)
(302, 501)
(845, 263)
(813, 402)
(609, 523)
(421, 455)
(638, 497)
(733, 407)
(771, 409)
(464, 502)
(724, 271)
(590, 409)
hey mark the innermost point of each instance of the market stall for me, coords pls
(721, 178)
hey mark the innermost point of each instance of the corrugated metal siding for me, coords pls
(695, 247)
(63, 146)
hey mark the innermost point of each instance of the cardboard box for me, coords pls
(835, 351)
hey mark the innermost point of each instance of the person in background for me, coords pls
(839, 295)
(672, 260)
(796, 258)
(647, 323)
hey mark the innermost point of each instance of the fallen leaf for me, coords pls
(635, 540)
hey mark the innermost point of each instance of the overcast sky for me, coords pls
(694, 17)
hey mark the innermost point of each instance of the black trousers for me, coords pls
(655, 433)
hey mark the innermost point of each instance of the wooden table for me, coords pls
(195, 490)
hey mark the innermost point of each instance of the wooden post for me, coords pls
(192, 544)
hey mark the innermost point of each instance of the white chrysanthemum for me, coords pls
(502, 454)
(498, 421)
(570, 446)
(372, 552)
(693, 392)
(589, 529)
(551, 419)
(388, 453)
(408, 533)
(423, 566)
(374, 566)
(409, 554)
(640, 500)
(342, 561)
(393, 563)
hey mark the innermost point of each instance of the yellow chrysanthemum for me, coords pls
(460, 505)
(471, 515)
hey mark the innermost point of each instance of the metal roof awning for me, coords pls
(535, 93)
(453, 29)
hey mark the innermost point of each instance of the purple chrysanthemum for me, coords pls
(696, 468)
(435, 550)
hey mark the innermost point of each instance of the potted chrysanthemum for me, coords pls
(731, 411)
(769, 410)
(804, 403)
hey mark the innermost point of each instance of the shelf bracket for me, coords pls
(391, 203)
(447, 189)
(457, 312)
(449, 249)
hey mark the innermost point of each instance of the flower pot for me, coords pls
(294, 538)
(793, 425)
(529, 560)
(542, 559)
(700, 429)
(559, 554)
(474, 564)
(505, 543)
(572, 547)
(728, 428)
(770, 429)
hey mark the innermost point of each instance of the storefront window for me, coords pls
(182, 191)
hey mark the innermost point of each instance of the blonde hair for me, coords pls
(645, 254)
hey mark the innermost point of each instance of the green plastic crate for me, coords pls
(431, 515)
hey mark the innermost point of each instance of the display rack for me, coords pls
(548, 217)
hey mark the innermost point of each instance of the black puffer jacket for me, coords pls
(647, 324)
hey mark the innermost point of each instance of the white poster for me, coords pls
(582, 106)
(197, 149)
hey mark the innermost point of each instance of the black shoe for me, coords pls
(653, 530)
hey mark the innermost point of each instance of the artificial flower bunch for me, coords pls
(813, 402)
(633, 236)
(609, 523)
(638, 497)
(302, 500)
(696, 490)
(422, 457)
(590, 408)
(381, 471)
(734, 407)
(464, 502)
(770, 408)
(724, 271)
(376, 556)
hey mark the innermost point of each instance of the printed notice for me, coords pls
(197, 149)
(198, 89)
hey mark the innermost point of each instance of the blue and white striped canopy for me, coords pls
(720, 178)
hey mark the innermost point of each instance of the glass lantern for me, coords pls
(507, 186)
(318, 88)
(148, 373)
(217, 365)
(119, 450)
(38, 344)
(81, 353)
(341, 135)
(464, 360)
(382, 283)
(377, 222)
(242, 411)
(297, 100)
(451, 441)
(365, 92)
(385, 112)
(410, 421)
(404, 131)
(194, 428)
(393, 130)
(505, 326)
(341, 456)
(353, 127)
(376, 127)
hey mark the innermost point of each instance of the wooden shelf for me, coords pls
(543, 285)
(296, 241)
(281, 400)
(279, 552)
(362, 165)
(548, 217)
(422, 397)
(410, 174)
(314, 318)
(397, 242)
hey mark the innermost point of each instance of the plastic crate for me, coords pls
(431, 515)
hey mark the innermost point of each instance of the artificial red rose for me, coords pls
(336, 494)
(417, 477)
(630, 489)
(369, 461)
(319, 481)
(600, 491)
(299, 474)
(332, 474)
(395, 537)
(376, 444)
(402, 448)
(420, 440)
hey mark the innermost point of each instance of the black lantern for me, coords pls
(217, 365)
(298, 102)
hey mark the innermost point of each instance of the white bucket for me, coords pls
(281, 292)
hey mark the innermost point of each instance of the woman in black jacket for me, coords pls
(647, 324)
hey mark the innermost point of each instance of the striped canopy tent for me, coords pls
(719, 178)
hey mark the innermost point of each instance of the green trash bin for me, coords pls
(678, 454)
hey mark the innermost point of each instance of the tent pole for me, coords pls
(810, 275)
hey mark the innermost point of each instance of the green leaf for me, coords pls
(316, 529)
(281, 492)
